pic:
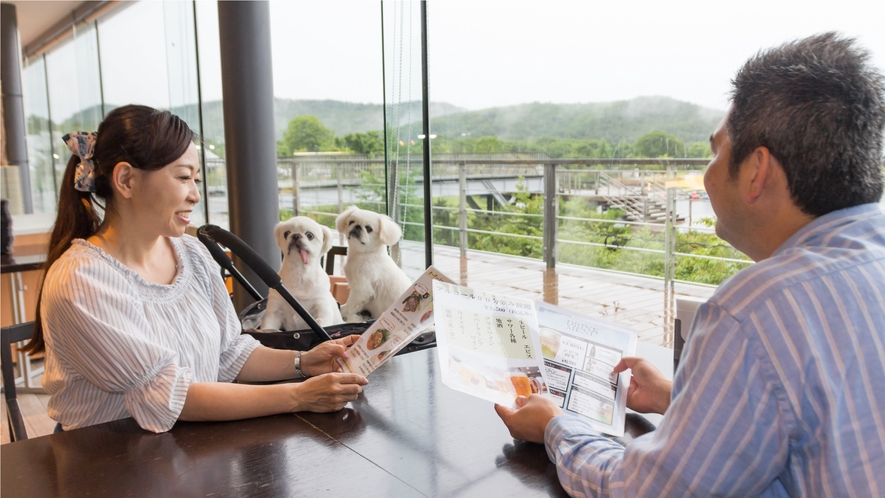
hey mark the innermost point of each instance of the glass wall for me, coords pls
(40, 146)
(567, 137)
(329, 108)
(140, 52)
(214, 173)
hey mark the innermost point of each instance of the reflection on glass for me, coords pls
(88, 77)
(329, 112)
(402, 77)
(61, 76)
(215, 174)
(181, 63)
(40, 145)
(133, 57)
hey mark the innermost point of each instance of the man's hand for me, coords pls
(323, 358)
(530, 418)
(649, 391)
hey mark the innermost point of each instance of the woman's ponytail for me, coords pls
(76, 219)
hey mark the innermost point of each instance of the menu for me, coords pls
(407, 318)
(498, 348)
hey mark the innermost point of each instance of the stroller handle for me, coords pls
(262, 269)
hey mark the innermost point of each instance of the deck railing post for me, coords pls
(340, 188)
(295, 207)
(462, 219)
(551, 209)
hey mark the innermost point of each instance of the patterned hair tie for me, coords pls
(82, 145)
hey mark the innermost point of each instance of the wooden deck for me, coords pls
(628, 300)
(631, 301)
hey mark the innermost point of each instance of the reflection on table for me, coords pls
(407, 435)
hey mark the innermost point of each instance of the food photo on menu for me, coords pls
(492, 346)
(407, 318)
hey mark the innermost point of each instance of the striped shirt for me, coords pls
(118, 346)
(781, 391)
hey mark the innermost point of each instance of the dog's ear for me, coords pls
(341, 220)
(389, 231)
(278, 234)
(327, 239)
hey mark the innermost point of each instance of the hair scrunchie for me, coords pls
(82, 145)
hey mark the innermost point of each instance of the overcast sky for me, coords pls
(482, 53)
(493, 53)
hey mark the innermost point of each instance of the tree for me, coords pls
(369, 142)
(659, 144)
(306, 133)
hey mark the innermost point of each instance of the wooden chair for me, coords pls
(8, 337)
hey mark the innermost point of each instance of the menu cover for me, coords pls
(499, 347)
(409, 316)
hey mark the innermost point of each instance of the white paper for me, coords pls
(580, 353)
(409, 316)
(487, 344)
(498, 347)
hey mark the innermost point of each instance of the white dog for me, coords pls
(303, 241)
(374, 278)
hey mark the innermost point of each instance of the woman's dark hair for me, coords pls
(144, 137)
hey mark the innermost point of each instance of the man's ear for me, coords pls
(124, 179)
(760, 169)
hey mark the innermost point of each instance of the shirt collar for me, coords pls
(825, 223)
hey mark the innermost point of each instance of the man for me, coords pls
(782, 389)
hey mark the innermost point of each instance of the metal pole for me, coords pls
(340, 188)
(425, 118)
(199, 113)
(13, 105)
(383, 114)
(462, 220)
(296, 192)
(551, 206)
(247, 88)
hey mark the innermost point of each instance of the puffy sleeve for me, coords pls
(235, 346)
(94, 325)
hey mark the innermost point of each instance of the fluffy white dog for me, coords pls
(303, 242)
(374, 278)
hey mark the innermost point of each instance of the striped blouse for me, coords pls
(781, 391)
(118, 346)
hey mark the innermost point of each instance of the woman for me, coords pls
(133, 315)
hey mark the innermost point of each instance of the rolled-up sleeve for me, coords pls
(96, 330)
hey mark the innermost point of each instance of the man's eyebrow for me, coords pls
(711, 138)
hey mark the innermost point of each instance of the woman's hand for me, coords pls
(329, 392)
(323, 358)
(649, 391)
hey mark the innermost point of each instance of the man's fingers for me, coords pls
(625, 363)
(503, 412)
(521, 401)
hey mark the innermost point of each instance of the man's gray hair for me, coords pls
(819, 107)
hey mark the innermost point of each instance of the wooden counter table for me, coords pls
(407, 435)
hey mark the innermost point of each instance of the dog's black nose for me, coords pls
(296, 235)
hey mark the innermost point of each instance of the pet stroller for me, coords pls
(250, 317)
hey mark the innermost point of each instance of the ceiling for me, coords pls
(34, 17)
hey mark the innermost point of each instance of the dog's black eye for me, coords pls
(368, 229)
(286, 234)
(309, 235)
(351, 222)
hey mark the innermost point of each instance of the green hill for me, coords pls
(618, 121)
(615, 122)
